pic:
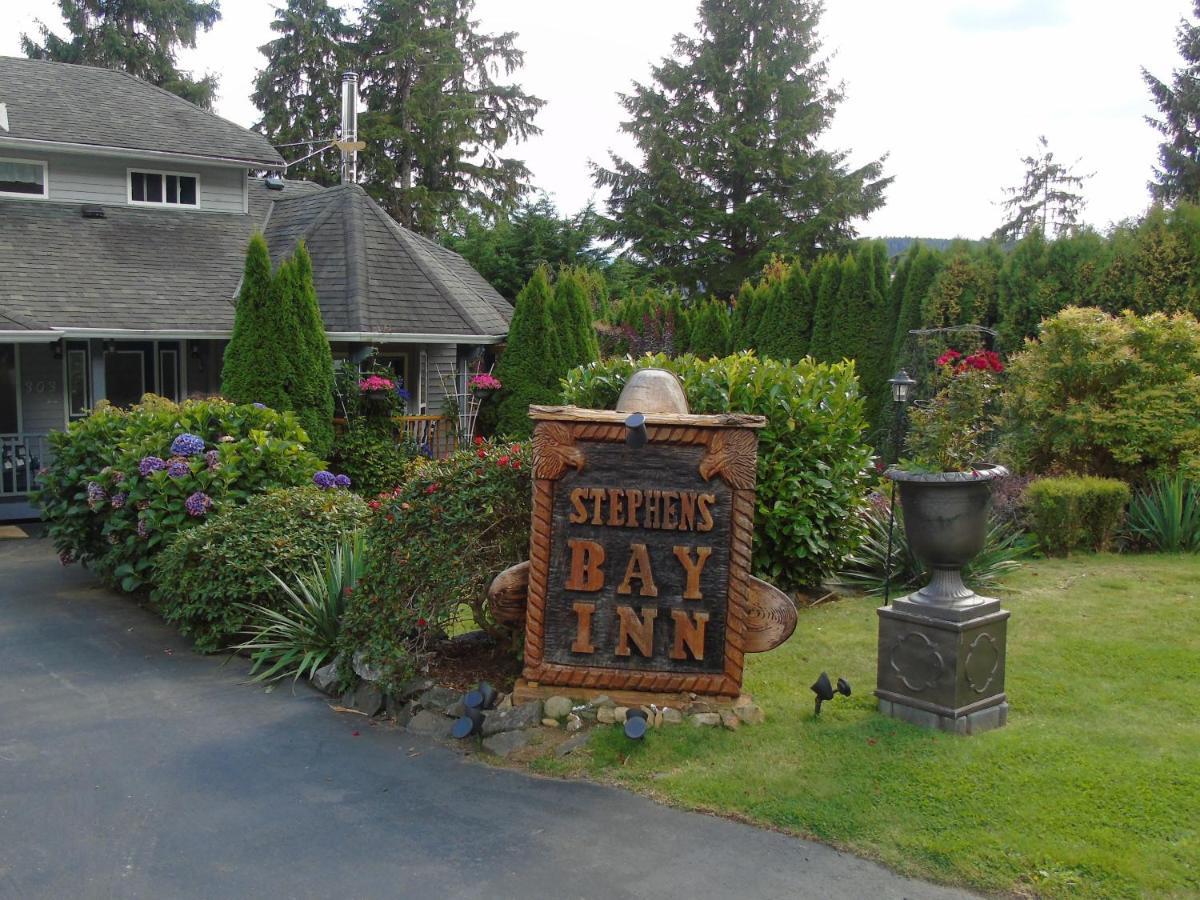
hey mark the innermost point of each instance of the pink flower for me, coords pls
(376, 383)
(950, 356)
(484, 381)
(502, 461)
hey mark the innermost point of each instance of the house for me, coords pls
(124, 217)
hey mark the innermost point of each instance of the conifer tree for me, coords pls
(752, 301)
(573, 319)
(1177, 176)
(258, 366)
(711, 334)
(313, 380)
(923, 269)
(729, 128)
(843, 322)
(141, 37)
(1049, 200)
(827, 274)
(798, 306)
(532, 365)
(298, 91)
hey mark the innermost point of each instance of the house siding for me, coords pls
(441, 357)
(42, 402)
(78, 178)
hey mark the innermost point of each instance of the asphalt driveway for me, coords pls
(132, 767)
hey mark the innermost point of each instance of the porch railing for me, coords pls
(435, 435)
(21, 455)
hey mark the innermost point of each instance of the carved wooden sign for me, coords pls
(639, 556)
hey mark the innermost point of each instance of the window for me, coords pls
(23, 178)
(166, 188)
(168, 374)
(9, 422)
(78, 393)
(124, 376)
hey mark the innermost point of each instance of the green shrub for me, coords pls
(434, 546)
(123, 483)
(300, 635)
(1165, 517)
(533, 360)
(1115, 396)
(205, 573)
(1076, 513)
(811, 453)
(370, 453)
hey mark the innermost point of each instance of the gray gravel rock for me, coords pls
(368, 698)
(325, 678)
(557, 707)
(413, 687)
(430, 723)
(363, 669)
(439, 699)
(573, 743)
(527, 715)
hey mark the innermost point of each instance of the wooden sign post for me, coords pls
(639, 571)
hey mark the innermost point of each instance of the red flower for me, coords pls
(482, 454)
(478, 440)
(516, 448)
(433, 487)
(421, 623)
(948, 357)
(516, 464)
(346, 592)
(374, 504)
(391, 518)
(502, 461)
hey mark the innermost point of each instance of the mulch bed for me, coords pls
(464, 661)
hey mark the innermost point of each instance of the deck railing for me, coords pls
(21, 455)
(435, 435)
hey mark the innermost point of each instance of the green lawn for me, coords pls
(1093, 789)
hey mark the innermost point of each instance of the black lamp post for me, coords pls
(902, 384)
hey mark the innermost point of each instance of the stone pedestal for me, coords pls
(943, 667)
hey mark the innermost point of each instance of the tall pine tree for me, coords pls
(728, 131)
(826, 276)
(312, 396)
(437, 121)
(1177, 176)
(141, 37)
(298, 91)
(532, 365)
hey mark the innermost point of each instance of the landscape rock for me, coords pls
(619, 713)
(601, 701)
(363, 669)
(368, 698)
(505, 742)
(456, 710)
(750, 713)
(400, 710)
(658, 718)
(730, 720)
(557, 707)
(699, 706)
(604, 715)
(574, 723)
(430, 723)
(573, 743)
(705, 719)
(438, 698)
(414, 687)
(527, 715)
(550, 723)
(325, 678)
(505, 702)
(672, 716)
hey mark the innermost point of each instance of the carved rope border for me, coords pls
(728, 683)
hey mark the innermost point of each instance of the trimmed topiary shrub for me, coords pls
(369, 452)
(1076, 513)
(433, 547)
(123, 483)
(811, 455)
(205, 573)
(532, 361)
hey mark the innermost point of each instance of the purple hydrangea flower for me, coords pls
(342, 481)
(95, 494)
(151, 464)
(187, 445)
(178, 467)
(118, 499)
(143, 529)
(325, 480)
(258, 405)
(198, 504)
(213, 458)
(118, 476)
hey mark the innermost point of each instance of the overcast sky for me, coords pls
(955, 91)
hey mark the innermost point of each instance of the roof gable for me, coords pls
(63, 103)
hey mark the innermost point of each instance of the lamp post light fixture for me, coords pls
(902, 384)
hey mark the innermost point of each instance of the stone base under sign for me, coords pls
(972, 723)
(943, 669)
(524, 691)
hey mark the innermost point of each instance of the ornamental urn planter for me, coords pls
(942, 648)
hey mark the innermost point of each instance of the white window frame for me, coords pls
(87, 379)
(163, 173)
(45, 194)
(160, 353)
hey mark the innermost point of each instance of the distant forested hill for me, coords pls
(897, 245)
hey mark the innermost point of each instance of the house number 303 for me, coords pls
(41, 387)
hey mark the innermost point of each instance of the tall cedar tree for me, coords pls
(1050, 198)
(436, 120)
(827, 276)
(923, 269)
(712, 333)
(532, 365)
(1177, 175)
(140, 37)
(298, 91)
(728, 132)
(259, 358)
(573, 319)
(313, 363)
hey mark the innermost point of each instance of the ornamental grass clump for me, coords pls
(168, 467)
(953, 431)
(434, 545)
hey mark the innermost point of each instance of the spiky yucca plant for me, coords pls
(302, 636)
(1166, 516)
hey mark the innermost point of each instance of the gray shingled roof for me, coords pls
(178, 271)
(50, 101)
(373, 276)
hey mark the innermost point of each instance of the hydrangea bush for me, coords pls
(433, 547)
(123, 483)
